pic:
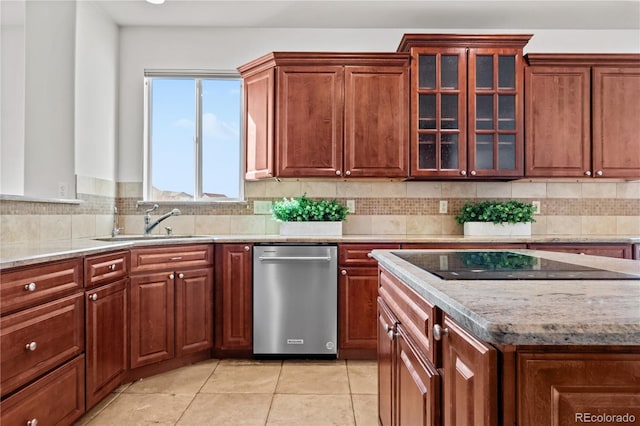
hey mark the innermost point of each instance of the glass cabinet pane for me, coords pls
(427, 113)
(506, 152)
(427, 73)
(484, 151)
(449, 151)
(484, 112)
(449, 114)
(506, 112)
(449, 72)
(427, 151)
(507, 72)
(484, 71)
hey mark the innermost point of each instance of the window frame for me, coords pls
(198, 76)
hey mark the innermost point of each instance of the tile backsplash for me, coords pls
(381, 208)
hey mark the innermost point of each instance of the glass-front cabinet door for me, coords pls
(495, 113)
(440, 117)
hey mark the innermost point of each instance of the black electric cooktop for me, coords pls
(504, 265)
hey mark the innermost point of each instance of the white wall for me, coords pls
(225, 49)
(96, 89)
(12, 99)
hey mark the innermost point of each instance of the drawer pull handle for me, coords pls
(32, 422)
(94, 296)
(112, 267)
(438, 332)
(31, 346)
(180, 275)
(30, 287)
(176, 258)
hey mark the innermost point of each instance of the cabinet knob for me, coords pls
(463, 172)
(587, 173)
(31, 346)
(343, 272)
(94, 296)
(30, 287)
(472, 172)
(180, 275)
(171, 276)
(247, 248)
(369, 255)
(390, 331)
(599, 173)
(112, 267)
(348, 173)
(338, 172)
(438, 332)
(32, 422)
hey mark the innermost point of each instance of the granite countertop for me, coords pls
(535, 312)
(21, 254)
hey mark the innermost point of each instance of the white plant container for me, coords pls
(311, 229)
(489, 229)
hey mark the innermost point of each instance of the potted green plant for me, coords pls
(496, 218)
(304, 216)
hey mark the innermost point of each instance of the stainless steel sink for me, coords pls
(148, 237)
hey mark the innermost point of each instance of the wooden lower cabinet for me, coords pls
(470, 376)
(386, 364)
(106, 332)
(194, 311)
(234, 296)
(621, 251)
(55, 399)
(357, 291)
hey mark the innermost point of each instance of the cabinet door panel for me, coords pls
(152, 318)
(616, 108)
(376, 113)
(309, 121)
(358, 288)
(258, 100)
(558, 123)
(106, 329)
(194, 311)
(386, 365)
(469, 379)
(418, 387)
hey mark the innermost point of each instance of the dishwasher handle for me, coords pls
(295, 258)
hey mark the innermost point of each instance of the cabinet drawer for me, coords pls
(55, 399)
(106, 268)
(171, 258)
(37, 340)
(358, 254)
(25, 287)
(414, 313)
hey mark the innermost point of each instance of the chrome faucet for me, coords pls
(116, 229)
(148, 225)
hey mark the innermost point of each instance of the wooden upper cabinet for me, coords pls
(327, 115)
(582, 115)
(467, 108)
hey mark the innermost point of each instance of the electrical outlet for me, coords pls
(536, 204)
(262, 207)
(351, 205)
(62, 190)
(444, 205)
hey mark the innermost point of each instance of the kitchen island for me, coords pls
(507, 351)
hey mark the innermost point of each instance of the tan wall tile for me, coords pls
(272, 226)
(529, 190)
(133, 224)
(598, 190)
(212, 225)
(389, 225)
(317, 189)
(55, 227)
(564, 225)
(355, 189)
(628, 190)
(104, 225)
(564, 190)
(85, 185)
(539, 227)
(390, 189)
(424, 189)
(451, 227)
(628, 225)
(255, 189)
(83, 226)
(357, 225)
(105, 188)
(180, 225)
(243, 225)
(19, 228)
(459, 189)
(599, 225)
(493, 190)
(284, 188)
(424, 225)
(130, 189)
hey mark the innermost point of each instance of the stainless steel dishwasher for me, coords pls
(295, 299)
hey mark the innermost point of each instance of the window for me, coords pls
(192, 136)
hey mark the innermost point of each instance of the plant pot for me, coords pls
(311, 229)
(488, 229)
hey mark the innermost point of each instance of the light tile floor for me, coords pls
(247, 392)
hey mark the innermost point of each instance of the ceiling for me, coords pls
(412, 14)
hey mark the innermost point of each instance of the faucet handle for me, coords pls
(169, 230)
(152, 209)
